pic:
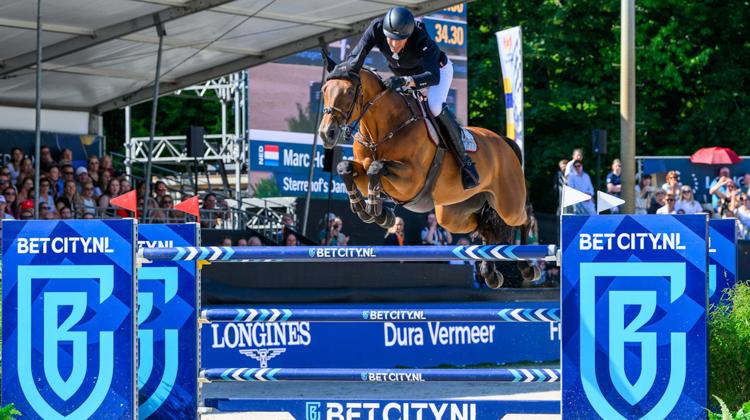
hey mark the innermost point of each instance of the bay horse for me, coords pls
(395, 158)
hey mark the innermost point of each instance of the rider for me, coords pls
(417, 63)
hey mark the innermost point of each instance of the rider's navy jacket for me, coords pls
(421, 58)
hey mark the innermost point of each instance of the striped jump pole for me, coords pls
(353, 253)
(272, 315)
(380, 375)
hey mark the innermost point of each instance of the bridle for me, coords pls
(348, 129)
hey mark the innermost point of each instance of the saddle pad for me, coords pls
(469, 143)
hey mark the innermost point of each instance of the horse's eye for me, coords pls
(350, 91)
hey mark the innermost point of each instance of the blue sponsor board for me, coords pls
(328, 409)
(634, 304)
(450, 35)
(68, 325)
(722, 258)
(380, 345)
(167, 327)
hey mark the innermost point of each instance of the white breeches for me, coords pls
(436, 95)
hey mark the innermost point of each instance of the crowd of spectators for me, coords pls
(724, 198)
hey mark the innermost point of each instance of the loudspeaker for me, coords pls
(331, 158)
(599, 141)
(195, 145)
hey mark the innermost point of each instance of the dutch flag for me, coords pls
(271, 155)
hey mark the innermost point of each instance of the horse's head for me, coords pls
(341, 93)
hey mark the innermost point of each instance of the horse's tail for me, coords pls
(513, 145)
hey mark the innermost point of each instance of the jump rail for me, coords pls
(381, 375)
(353, 253)
(380, 315)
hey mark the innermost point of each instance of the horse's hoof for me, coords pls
(390, 220)
(366, 218)
(494, 280)
(345, 168)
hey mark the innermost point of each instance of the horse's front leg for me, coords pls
(348, 172)
(375, 173)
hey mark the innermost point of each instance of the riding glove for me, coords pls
(395, 82)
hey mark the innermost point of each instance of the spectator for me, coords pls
(614, 183)
(743, 215)
(577, 156)
(111, 191)
(82, 177)
(68, 174)
(160, 190)
(327, 223)
(658, 200)
(61, 202)
(336, 236)
(668, 208)
(53, 175)
(25, 189)
(66, 157)
(287, 226)
(14, 164)
(27, 214)
(729, 203)
(580, 180)
(643, 193)
(88, 215)
(395, 234)
(66, 213)
(101, 186)
(45, 158)
(167, 208)
(27, 170)
(718, 188)
(745, 183)
(45, 195)
(70, 193)
(11, 206)
(560, 181)
(44, 211)
(88, 203)
(255, 241)
(532, 234)
(433, 234)
(687, 201)
(242, 242)
(291, 240)
(673, 184)
(4, 177)
(92, 165)
(209, 212)
(125, 186)
(227, 241)
(5, 215)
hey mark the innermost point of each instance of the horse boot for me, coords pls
(469, 174)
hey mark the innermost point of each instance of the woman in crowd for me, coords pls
(70, 193)
(25, 188)
(46, 195)
(111, 191)
(106, 166)
(14, 164)
(395, 234)
(88, 203)
(166, 203)
(93, 167)
(673, 183)
(11, 201)
(687, 202)
(26, 171)
(643, 193)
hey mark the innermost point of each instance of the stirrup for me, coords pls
(469, 174)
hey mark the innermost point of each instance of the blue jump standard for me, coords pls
(380, 375)
(380, 315)
(353, 253)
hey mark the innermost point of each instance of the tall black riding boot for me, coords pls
(469, 175)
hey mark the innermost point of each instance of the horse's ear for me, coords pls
(327, 60)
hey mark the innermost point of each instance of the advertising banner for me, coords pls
(381, 345)
(509, 42)
(698, 176)
(167, 326)
(634, 305)
(68, 323)
(722, 257)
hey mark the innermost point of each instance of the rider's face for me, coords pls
(396, 45)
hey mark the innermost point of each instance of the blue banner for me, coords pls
(381, 345)
(438, 409)
(68, 325)
(450, 35)
(167, 327)
(722, 258)
(698, 176)
(634, 305)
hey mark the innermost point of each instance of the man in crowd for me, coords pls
(614, 183)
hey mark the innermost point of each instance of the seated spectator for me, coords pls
(11, 206)
(669, 207)
(288, 226)
(327, 222)
(658, 200)
(27, 214)
(68, 174)
(580, 180)
(111, 191)
(5, 215)
(70, 192)
(82, 177)
(743, 215)
(291, 240)
(66, 213)
(730, 201)
(160, 190)
(125, 186)
(687, 202)
(61, 202)
(88, 215)
(242, 242)
(210, 215)
(107, 166)
(167, 208)
(673, 183)
(643, 193)
(92, 165)
(25, 188)
(433, 234)
(66, 157)
(336, 236)
(88, 203)
(45, 194)
(14, 164)
(395, 234)
(745, 183)
(255, 241)
(227, 241)
(53, 175)
(718, 187)
(45, 158)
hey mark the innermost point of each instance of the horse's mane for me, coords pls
(343, 72)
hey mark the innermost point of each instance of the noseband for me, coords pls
(348, 129)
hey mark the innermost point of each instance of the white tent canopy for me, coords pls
(100, 55)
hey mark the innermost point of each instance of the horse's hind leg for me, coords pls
(529, 271)
(347, 172)
(491, 231)
(385, 218)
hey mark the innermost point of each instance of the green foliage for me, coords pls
(729, 347)
(267, 188)
(304, 122)
(9, 412)
(692, 74)
(742, 414)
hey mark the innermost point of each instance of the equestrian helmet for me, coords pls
(398, 23)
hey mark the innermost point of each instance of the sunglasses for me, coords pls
(670, 199)
(577, 166)
(69, 173)
(9, 193)
(686, 191)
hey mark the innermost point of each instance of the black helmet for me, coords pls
(398, 23)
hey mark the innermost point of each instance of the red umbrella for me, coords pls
(715, 156)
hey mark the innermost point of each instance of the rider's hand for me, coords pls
(395, 82)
